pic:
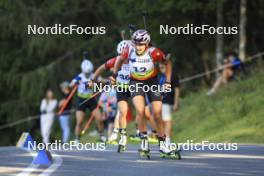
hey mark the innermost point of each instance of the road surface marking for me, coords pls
(32, 167)
(57, 161)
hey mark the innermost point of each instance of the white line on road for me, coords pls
(32, 167)
(57, 161)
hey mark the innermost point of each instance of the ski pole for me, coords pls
(88, 123)
(67, 100)
(131, 28)
(123, 34)
(144, 14)
(94, 95)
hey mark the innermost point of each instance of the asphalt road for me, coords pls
(246, 161)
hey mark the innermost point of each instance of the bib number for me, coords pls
(124, 77)
(140, 69)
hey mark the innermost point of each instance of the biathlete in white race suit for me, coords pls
(143, 72)
(122, 80)
(83, 93)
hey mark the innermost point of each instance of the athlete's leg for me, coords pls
(163, 144)
(110, 129)
(99, 122)
(157, 117)
(150, 118)
(116, 123)
(137, 129)
(115, 132)
(139, 104)
(138, 99)
(123, 108)
(79, 119)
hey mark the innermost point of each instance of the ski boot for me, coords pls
(167, 150)
(144, 151)
(122, 142)
(102, 139)
(113, 138)
(76, 141)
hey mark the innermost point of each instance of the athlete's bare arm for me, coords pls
(168, 70)
(176, 99)
(99, 71)
(119, 62)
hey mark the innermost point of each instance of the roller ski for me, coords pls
(175, 154)
(144, 151)
(123, 142)
(168, 151)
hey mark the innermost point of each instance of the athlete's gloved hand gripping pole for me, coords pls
(91, 83)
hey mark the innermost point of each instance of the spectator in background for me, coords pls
(231, 64)
(65, 116)
(47, 109)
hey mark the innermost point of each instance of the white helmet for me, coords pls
(141, 36)
(121, 45)
(86, 66)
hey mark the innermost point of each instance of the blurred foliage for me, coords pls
(29, 64)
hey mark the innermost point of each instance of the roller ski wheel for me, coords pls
(134, 138)
(172, 155)
(114, 142)
(121, 148)
(153, 140)
(144, 153)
